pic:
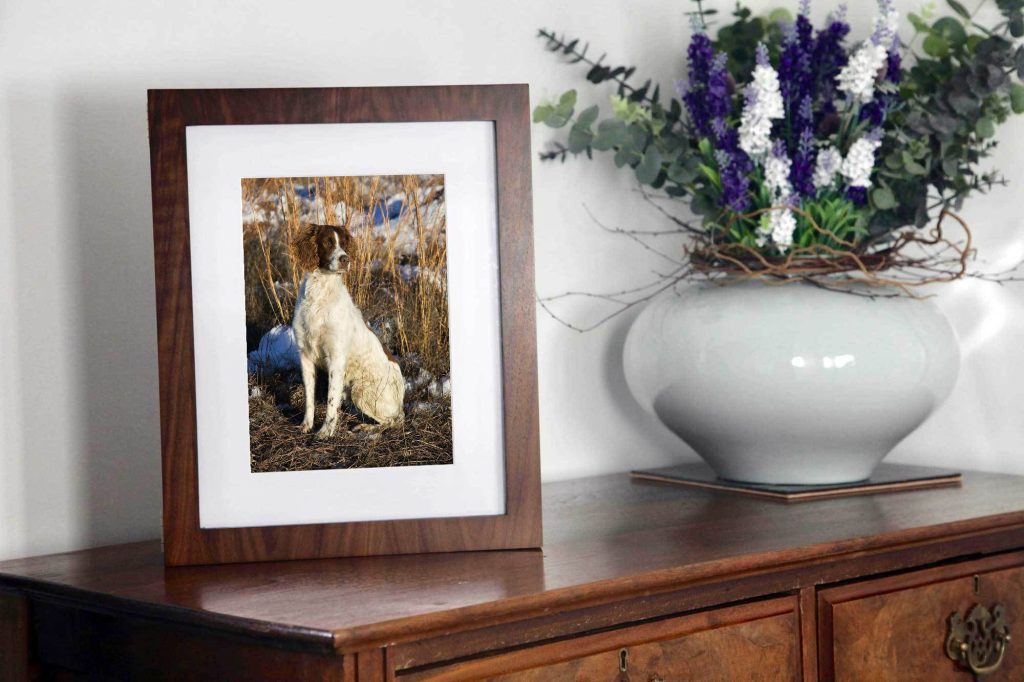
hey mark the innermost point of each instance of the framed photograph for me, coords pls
(345, 311)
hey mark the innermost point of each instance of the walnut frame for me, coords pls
(170, 112)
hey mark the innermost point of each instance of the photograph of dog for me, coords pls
(346, 322)
(332, 335)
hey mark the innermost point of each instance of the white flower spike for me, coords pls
(825, 168)
(763, 105)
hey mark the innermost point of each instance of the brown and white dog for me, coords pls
(332, 335)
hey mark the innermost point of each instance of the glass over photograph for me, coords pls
(346, 313)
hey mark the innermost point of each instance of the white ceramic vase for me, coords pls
(792, 383)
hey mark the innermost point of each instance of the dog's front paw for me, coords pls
(307, 425)
(326, 431)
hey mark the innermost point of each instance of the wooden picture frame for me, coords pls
(171, 112)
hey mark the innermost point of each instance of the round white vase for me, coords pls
(790, 384)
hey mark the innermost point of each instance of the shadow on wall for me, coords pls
(661, 447)
(85, 317)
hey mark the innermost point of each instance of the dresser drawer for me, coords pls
(755, 641)
(896, 628)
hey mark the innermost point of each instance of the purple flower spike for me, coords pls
(699, 55)
(719, 128)
(719, 103)
(893, 65)
(805, 7)
(797, 74)
(828, 58)
(801, 173)
(884, 33)
(761, 54)
(735, 188)
(858, 195)
(706, 90)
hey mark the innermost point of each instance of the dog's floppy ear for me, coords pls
(306, 256)
(348, 241)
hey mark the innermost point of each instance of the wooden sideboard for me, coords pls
(636, 581)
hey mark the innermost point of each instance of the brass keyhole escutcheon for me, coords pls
(978, 642)
(623, 665)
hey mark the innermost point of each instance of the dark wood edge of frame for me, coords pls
(170, 111)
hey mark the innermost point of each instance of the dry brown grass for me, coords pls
(398, 278)
(277, 443)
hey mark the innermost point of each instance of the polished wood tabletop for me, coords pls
(604, 537)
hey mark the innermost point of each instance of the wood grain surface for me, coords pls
(616, 551)
(758, 641)
(170, 112)
(895, 628)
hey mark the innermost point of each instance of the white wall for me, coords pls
(79, 437)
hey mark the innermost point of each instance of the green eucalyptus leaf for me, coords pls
(650, 166)
(623, 157)
(636, 138)
(1017, 98)
(556, 119)
(985, 127)
(883, 198)
(914, 168)
(611, 133)
(567, 101)
(682, 173)
(964, 103)
(579, 139)
(943, 123)
(587, 117)
(541, 113)
(936, 46)
(702, 204)
(991, 46)
(911, 166)
(1016, 26)
(994, 77)
(959, 9)
(950, 29)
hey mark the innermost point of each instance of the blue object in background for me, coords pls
(382, 211)
(307, 192)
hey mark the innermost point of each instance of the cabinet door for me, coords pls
(754, 641)
(896, 628)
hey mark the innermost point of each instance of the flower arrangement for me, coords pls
(813, 157)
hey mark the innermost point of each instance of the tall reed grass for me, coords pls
(398, 275)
